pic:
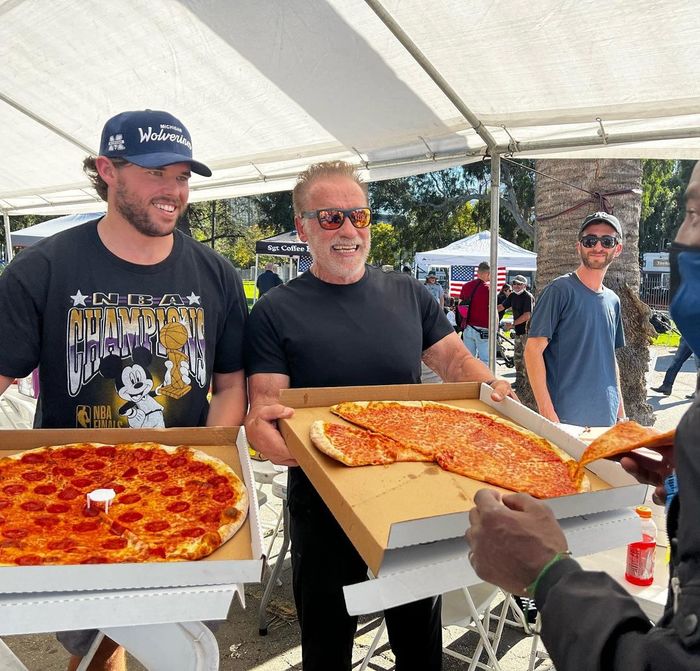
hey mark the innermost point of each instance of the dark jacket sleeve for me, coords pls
(584, 616)
(590, 622)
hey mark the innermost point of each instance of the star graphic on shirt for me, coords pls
(79, 299)
(194, 300)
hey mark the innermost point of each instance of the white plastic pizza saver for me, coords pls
(101, 496)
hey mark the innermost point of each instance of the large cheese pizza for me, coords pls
(467, 442)
(475, 444)
(169, 503)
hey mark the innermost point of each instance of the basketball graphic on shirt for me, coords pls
(173, 337)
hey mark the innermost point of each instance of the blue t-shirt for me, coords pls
(584, 329)
(436, 291)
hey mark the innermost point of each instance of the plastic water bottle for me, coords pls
(641, 555)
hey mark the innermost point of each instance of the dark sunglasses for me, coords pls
(590, 241)
(332, 218)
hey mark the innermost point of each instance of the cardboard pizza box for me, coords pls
(240, 560)
(406, 516)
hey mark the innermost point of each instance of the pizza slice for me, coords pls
(624, 437)
(540, 478)
(353, 446)
(404, 421)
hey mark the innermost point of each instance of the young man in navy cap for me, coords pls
(575, 329)
(130, 321)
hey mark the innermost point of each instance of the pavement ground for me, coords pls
(242, 649)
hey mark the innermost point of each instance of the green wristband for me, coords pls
(530, 589)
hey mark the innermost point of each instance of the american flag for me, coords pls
(304, 263)
(463, 274)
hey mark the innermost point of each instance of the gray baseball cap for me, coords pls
(602, 218)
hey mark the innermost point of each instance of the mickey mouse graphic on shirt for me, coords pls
(135, 385)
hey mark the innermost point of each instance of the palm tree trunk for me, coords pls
(560, 209)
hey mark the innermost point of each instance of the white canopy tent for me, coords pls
(29, 236)
(397, 87)
(476, 248)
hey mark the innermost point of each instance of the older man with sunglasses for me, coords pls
(344, 323)
(575, 329)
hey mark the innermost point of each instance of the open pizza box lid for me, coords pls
(240, 560)
(408, 517)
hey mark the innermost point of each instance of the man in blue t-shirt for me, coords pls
(575, 329)
(435, 289)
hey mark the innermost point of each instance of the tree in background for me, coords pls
(243, 249)
(557, 231)
(276, 212)
(220, 223)
(663, 205)
(385, 244)
(432, 210)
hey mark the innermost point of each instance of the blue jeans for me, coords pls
(477, 345)
(679, 358)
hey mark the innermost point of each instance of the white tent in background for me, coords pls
(474, 249)
(26, 237)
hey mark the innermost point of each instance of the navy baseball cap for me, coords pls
(150, 139)
(602, 218)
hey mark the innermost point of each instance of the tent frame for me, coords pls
(491, 149)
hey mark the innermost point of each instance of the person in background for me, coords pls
(326, 328)
(474, 300)
(520, 301)
(503, 294)
(588, 620)
(407, 269)
(683, 352)
(450, 313)
(575, 328)
(130, 321)
(268, 279)
(435, 289)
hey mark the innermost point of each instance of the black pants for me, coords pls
(323, 561)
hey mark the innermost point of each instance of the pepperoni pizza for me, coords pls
(170, 503)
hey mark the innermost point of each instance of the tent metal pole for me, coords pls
(431, 71)
(493, 261)
(47, 124)
(436, 161)
(8, 236)
(255, 280)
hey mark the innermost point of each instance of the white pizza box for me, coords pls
(387, 511)
(240, 560)
(36, 612)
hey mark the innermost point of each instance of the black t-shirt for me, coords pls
(519, 304)
(104, 331)
(367, 333)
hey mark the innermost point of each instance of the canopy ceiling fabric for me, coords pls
(267, 88)
(474, 249)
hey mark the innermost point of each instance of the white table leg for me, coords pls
(8, 660)
(188, 646)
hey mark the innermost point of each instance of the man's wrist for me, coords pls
(532, 587)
